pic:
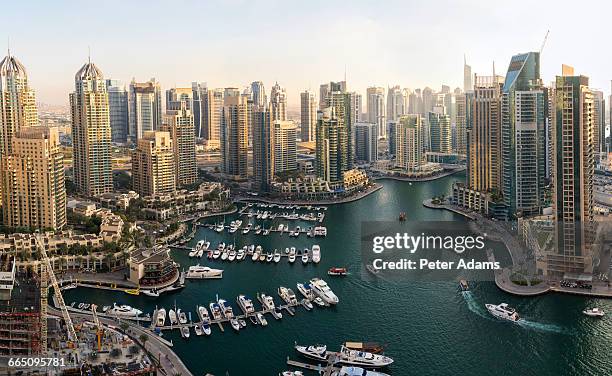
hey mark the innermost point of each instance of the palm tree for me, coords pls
(143, 339)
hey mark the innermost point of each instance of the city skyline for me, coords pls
(361, 45)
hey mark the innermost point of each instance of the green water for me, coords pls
(430, 328)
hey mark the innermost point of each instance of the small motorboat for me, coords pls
(337, 272)
(242, 323)
(305, 257)
(206, 329)
(316, 254)
(198, 330)
(277, 256)
(185, 331)
(307, 304)
(269, 257)
(463, 285)
(224, 255)
(261, 319)
(292, 255)
(235, 324)
(594, 312)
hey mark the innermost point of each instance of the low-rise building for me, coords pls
(483, 202)
(117, 201)
(313, 188)
(208, 197)
(152, 267)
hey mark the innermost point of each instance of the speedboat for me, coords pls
(203, 313)
(256, 254)
(200, 253)
(305, 257)
(247, 229)
(307, 304)
(203, 272)
(503, 311)
(337, 271)
(182, 317)
(292, 255)
(235, 324)
(463, 285)
(242, 323)
(206, 245)
(161, 317)
(269, 257)
(316, 254)
(198, 330)
(124, 311)
(594, 312)
(362, 358)
(322, 290)
(231, 255)
(262, 257)
(193, 252)
(206, 328)
(245, 304)
(152, 293)
(224, 255)
(185, 331)
(215, 311)
(277, 256)
(241, 253)
(173, 317)
(261, 319)
(220, 227)
(315, 352)
(216, 254)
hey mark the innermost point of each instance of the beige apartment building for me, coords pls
(153, 166)
(33, 189)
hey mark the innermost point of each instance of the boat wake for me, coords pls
(551, 328)
(481, 311)
(474, 306)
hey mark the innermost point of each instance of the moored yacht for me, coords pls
(268, 303)
(356, 371)
(203, 313)
(203, 272)
(315, 352)
(287, 295)
(292, 255)
(277, 256)
(261, 319)
(123, 310)
(182, 317)
(316, 253)
(226, 309)
(304, 289)
(305, 256)
(245, 304)
(161, 317)
(173, 317)
(363, 358)
(322, 290)
(594, 312)
(215, 311)
(503, 311)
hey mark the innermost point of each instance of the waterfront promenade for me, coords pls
(420, 179)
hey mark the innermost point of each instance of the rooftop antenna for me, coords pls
(544, 42)
(88, 55)
(8, 45)
(493, 69)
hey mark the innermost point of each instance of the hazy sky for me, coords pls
(301, 43)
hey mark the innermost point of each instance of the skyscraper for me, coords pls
(326, 88)
(278, 103)
(285, 145)
(467, 76)
(235, 135)
(91, 132)
(463, 106)
(366, 142)
(153, 166)
(33, 190)
(180, 125)
(523, 130)
(395, 103)
(263, 149)
(331, 144)
(409, 138)
(376, 109)
(199, 91)
(484, 135)
(118, 110)
(573, 175)
(17, 101)
(599, 120)
(145, 108)
(308, 116)
(440, 130)
(343, 102)
(213, 107)
(259, 94)
(177, 97)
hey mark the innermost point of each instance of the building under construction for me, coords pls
(20, 310)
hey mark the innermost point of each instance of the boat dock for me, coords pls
(325, 370)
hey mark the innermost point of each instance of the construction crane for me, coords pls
(72, 337)
(544, 42)
(100, 328)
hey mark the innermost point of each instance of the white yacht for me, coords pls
(173, 317)
(320, 231)
(241, 253)
(206, 328)
(287, 295)
(322, 290)
(292, 255)
(182, 317)
(220, 227)
(362, 358)
(356, 371)
(198, 330)
(277, 256)
(226, 308)
(261, 319)
(503, 311)
(315, 352)
(235, 324)
(316, 253)
(231, 255)
(305, 290)
(245, 304)
(594, 312)
(161, 317)
(203, 272)
(193, 252)
(256, 254)
(224, 255)
(268, 303)
(124, 311)
(247, 229)
(216, 254)
(203, 313)
(305, 256)
(215, 311)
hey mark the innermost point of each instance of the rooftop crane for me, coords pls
(100, 328)
(72, 337)
(544, 42)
